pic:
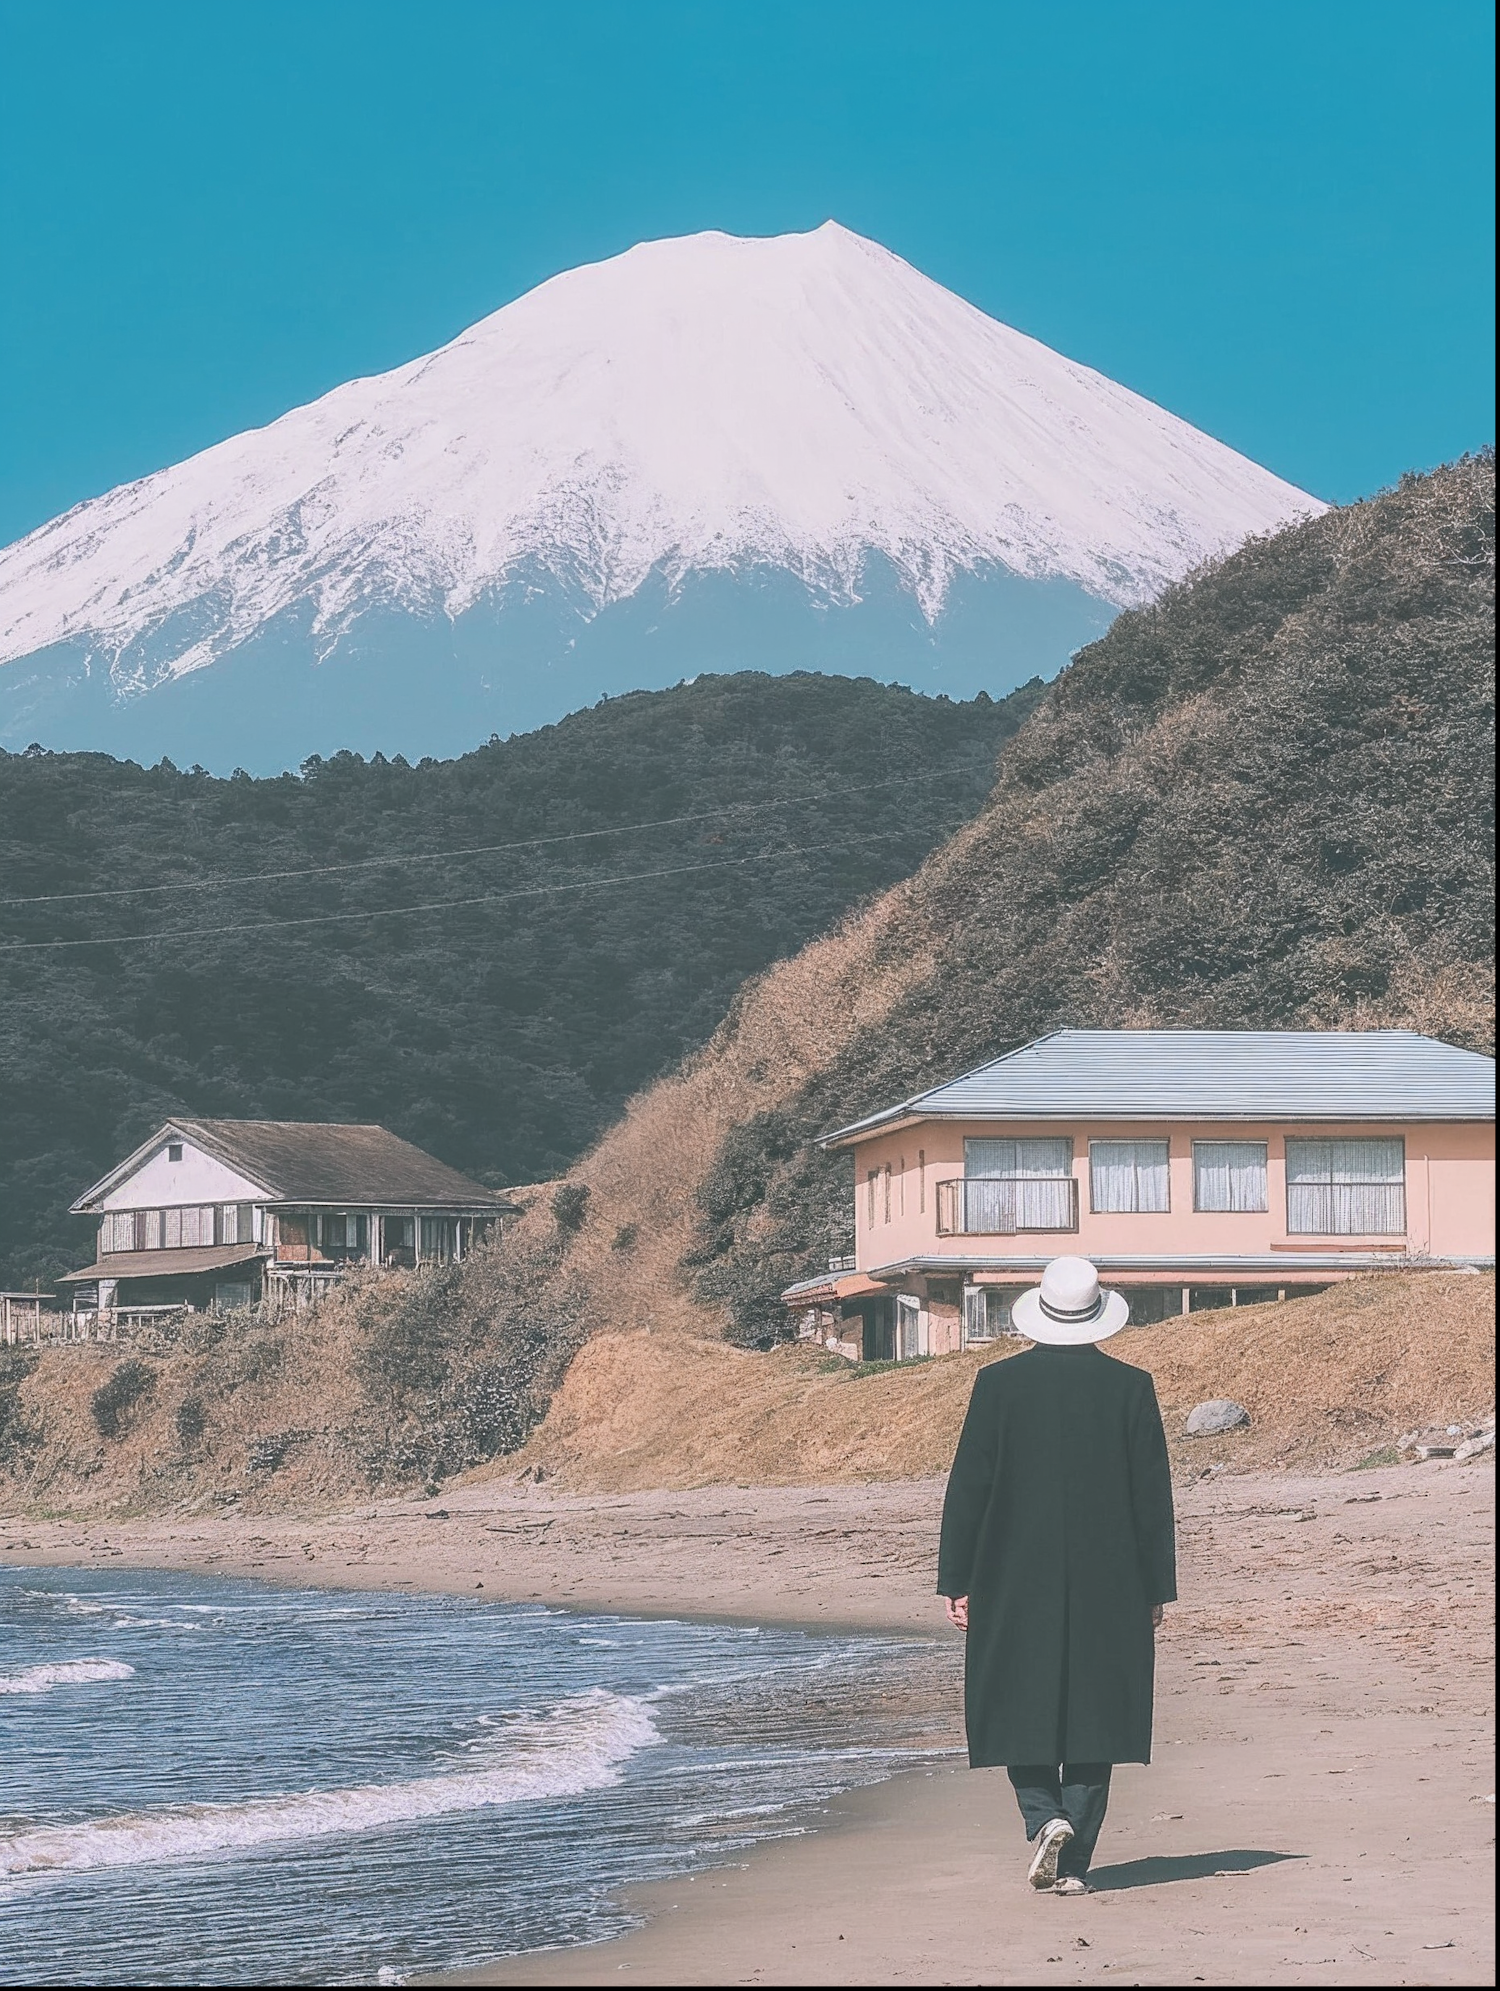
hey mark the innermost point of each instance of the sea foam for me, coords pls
(580, 1745)
(64, 1673)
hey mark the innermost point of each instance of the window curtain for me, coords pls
(1348, 1188)
(976, 1328)
(1018, 1185)
(1128, 1175)
(1230, 1175)
(197, 1224)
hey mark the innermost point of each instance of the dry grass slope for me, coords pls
(1327, 1380)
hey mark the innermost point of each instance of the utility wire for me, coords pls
(444, 905)
(437, 856)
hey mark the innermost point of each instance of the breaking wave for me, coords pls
(64, 1673)
(579, 1746)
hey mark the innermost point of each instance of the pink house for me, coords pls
(1197, 1168)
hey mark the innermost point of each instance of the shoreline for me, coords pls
(1315, 1813)
(735, 1555)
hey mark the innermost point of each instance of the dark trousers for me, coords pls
(1079, 1794)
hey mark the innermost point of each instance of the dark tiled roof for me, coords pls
(304, 1161)
(164, 1264)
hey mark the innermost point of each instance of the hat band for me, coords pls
(1063, 1315)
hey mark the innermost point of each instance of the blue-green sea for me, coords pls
(218, 1782)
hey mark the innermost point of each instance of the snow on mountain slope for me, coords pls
(808, 403)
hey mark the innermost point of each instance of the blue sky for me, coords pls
(1277, 220)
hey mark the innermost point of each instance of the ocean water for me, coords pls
(220, 1782)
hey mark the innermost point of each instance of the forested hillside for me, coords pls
(488, 955)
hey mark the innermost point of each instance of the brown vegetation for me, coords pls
(393, 1381)
(1327, 1380)
(317, 1414)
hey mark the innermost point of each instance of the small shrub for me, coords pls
(625, 1237)
(461, 1364)
(570, 1204)
(259, 1356)
(1387, 1455)
(408, 1351)
(204, 1332)
(112, 1403)
(268, 1453)
(192, 1419)
(16, 1434)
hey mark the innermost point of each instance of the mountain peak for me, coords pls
(705, 404)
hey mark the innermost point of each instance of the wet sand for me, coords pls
(1316, 1813)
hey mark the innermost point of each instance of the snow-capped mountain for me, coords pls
(707, 452)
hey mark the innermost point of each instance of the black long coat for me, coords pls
(1058, 1529)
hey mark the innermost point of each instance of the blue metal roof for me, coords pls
(1295, 1075)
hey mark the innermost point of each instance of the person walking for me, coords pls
(1058, 1553)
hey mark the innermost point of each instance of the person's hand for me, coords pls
(1158, 1612)
(958, 1611)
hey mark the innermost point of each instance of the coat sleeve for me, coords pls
(1151, 1497)
(969, 1485)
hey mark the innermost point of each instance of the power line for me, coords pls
(438, 856)
(445, 905)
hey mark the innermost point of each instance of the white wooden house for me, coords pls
(225, 1213)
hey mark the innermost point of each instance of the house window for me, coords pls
(870, 1194)
(174, 1151)
(198, 1224)
(1351, 1188)
(343, 1232)
(909, 1335)
(987, 1313)
(1128, 1175)
(921, 1179)
(1152, 1303)
(886, 1174)
(1023, 1185)
(1230, 1175)
(117, 1231)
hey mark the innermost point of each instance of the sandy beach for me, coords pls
(1320, 1810)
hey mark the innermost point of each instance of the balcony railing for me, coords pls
(1001, 1205)
(1346, 1209)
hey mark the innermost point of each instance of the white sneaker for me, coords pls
(1072, 1883)
(1042, 1873)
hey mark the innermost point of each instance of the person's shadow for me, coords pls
(1162, 1867)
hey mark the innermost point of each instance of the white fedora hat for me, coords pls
(1068, 1309)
